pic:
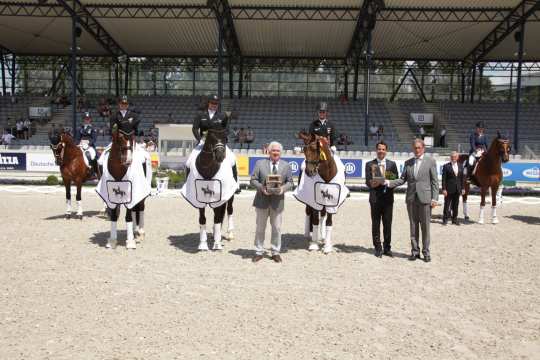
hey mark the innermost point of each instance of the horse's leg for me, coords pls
(483, 191)
(328, 247)
(139, 222)
(219, 214)
(499, 194)
(314, 243)
(322, 225)
(494, 194)
(465, 207)
(113, 236)
(79, 200)
(230, 219)
(307, 223)
(203, 239)
(130, 241)
(67, 184)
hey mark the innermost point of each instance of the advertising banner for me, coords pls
(12, 161)
(41, 162)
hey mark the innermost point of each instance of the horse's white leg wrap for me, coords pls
(471, 159)
(494, 219)
(328, 248)
(203, 241)
(130, 242)
(465, 210)
(111, 243)
(68, 206)
(230, 227)
(499, 195)
(306, 227)
(79, 208)
(139, 228)
(217, 237)
(314, 243)
(481, 220)
(322, 228)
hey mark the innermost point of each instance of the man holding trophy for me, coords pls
(381, 198)
(271, 177)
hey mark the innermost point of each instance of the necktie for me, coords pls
(274, 168)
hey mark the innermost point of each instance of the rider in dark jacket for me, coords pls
(209, 118)
(86, 138)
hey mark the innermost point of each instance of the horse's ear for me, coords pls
(304, 136)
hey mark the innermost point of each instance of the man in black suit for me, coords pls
(452, 184)
(381, 198)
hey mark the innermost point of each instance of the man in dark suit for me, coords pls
(452, 185)
(381, 199)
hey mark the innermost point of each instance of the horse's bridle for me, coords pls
(128, 147)
(220, 144)
(58, 157)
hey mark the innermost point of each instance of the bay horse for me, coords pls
(70, 158)
(120, 159)
(318, 160)
(208, 163)
(488, 176)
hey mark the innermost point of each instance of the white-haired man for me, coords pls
(269, 200)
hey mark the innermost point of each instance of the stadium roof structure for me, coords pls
(471, 31)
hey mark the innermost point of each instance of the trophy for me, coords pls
(377, 178)
(273, 184)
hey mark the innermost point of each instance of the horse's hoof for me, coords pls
(481, 222)
(139, 237)
(68, 216)
(111, 244)
(230, 236)
(131, 245)
(328, 249)
(203, 246)
(466, 218)
(217, 246)
(495, 221)
(79, 216)
(313, 246)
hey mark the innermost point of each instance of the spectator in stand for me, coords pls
(343, 99)
(235, 134)
(373, 129)
(380, 133)
(241, 137)
(20, 129)
(442, 138)
(250, 136)
(421, 132)
(26, 129)
(7, 137)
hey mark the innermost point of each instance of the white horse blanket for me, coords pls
(134, 186)
(213, 192)
(317, 194)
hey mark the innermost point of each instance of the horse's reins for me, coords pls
(59, 157)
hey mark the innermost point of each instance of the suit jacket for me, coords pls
(450, 182)
(127, 123)
(425, 184)
(258, 179)
(203, 122)
(378, 193)
(328, 130)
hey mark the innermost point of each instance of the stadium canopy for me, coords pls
(456, 30)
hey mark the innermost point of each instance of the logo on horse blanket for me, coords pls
(119, 192)
(208, 191)
(327, 194)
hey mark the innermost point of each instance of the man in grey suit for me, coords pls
(268, 204)
(420, 174)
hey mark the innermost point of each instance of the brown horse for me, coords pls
(208, 163)
(72, 167)
(488, 176)
(120, 159)
(319, 160)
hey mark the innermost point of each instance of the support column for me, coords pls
(346, 83)
(74, 74)
(462, 84)
(355, 85)
(473, 82)
(367, 86)
(481, 82)
(13, 73)
(231, 78)
(240, 78)
(521, 38)
(117, 77)
(3, 74)
(126, 77)
(511, 80)
(220, 58)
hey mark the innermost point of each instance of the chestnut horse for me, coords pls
(319, 160)
(120, 159)
(488, 176)
(72, 167)
(208, 163)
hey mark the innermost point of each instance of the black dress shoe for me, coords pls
(276, 258)
(455, 222)
(378, 253)
(445, 222)
(388, 253)
(257, 258)
(427, 258)
(413, 257)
